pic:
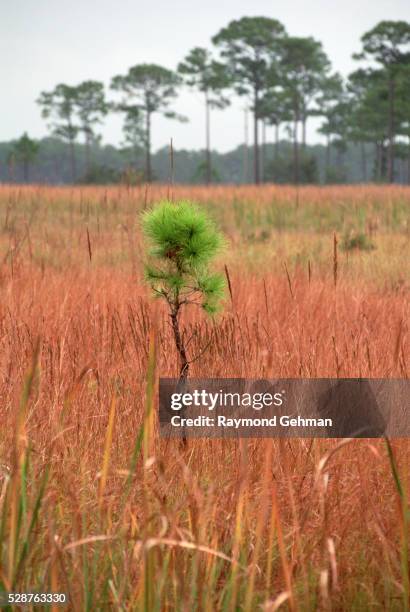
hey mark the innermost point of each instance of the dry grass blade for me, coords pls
(228, 278)
(90, 253)
(335, 260)
(107, 450)
(88, 540)
(326, 458)
(289, 280)
(272, 606)
(151, 542)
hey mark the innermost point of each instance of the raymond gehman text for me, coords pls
(224, 421)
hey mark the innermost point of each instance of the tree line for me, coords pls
(284, 80)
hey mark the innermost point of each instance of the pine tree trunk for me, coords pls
(364, 161)
(73, 161)
(26, 170)
(208, 141)
(304, 120)
(263, 155)
(255, 140)
(390, 150)
(327, 152)
(376, 161)
(383, 161)
(12, 169)
(295, 151)
(148, 170)
(246, 148)
(87, 154)
(408, 164)
(339, 158)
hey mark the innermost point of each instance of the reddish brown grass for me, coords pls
(327, 534)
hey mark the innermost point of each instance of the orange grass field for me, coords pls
(95, 504)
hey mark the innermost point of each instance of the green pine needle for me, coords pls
(182, 241)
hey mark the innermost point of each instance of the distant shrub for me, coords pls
(131, 177)
(335, 176)
(100, 175)
(262, 235)
(357, 241)
(199, 176)
(281, 170)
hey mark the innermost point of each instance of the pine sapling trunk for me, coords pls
(184, 369)
(179, 343)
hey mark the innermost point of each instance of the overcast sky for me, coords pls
(45, 42)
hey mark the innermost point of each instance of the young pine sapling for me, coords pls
(182, 242)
